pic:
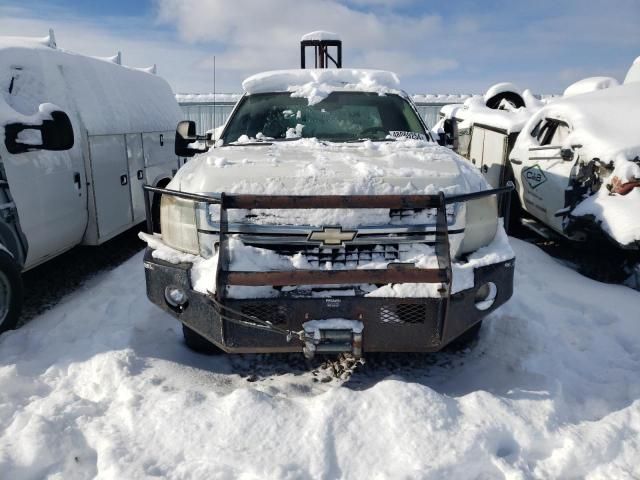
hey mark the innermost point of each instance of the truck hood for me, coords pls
(308, 167)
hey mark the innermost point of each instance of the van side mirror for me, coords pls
(566, 154)
(187, 143)
(54, 134)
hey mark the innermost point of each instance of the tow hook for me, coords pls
(333, 336)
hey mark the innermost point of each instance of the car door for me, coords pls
(545, 176)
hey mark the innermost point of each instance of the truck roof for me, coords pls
(109, 98)
(605, 121)
(317, 84)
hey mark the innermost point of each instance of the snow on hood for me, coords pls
(309, 166)
(110, 98)
(316, 84)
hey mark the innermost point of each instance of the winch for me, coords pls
(333, 336)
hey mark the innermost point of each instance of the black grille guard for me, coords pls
(394, 273)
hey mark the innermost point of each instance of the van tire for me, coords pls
(198, 343)
(11, 292)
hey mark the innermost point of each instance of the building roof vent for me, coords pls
(321, 42)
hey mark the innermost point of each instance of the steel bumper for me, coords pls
(390, 324)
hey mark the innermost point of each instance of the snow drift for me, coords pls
(102, 386)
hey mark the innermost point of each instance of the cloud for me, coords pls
(436, 47)
(140, 46)
(265, 35)
(430, 45)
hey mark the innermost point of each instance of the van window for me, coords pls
(23, 88)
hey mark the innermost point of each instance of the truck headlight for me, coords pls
(178, 224)
(481, 223)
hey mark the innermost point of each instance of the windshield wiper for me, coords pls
(362, 140)
(252, 143)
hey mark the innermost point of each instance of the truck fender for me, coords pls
(155, 203)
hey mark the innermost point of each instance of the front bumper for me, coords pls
(390, 324)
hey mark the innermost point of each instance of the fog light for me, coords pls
(486, 296)
(175, 297)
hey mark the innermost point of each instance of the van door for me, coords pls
(48, 187)
(110, 184)
(137, 177)
(488, 153)
(160, 159)
(477, 145)
(545, 175)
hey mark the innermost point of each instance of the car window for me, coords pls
(545, 132)
(551, 132)
(342, 116)
(561, 133)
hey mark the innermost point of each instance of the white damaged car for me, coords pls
(325, 219)
(575, 161)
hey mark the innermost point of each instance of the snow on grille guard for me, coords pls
(394, 273)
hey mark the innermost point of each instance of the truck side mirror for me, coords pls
(54, 134)
(566, 154)
(187, 142)
(446, 135)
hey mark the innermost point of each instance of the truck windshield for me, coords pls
(341, 117)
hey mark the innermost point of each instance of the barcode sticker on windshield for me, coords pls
(409, 135)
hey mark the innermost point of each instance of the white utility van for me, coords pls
(79, 136)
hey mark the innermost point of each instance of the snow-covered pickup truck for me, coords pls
(325, 219)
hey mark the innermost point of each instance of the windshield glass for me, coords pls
(341, 117)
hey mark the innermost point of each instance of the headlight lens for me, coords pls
(178, 224)
(481, 223)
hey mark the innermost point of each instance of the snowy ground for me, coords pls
(101, 385)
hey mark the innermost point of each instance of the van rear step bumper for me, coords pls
(390, 324)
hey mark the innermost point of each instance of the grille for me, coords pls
(423, 215)
(276, 314)
(348, 255)
(400, 214)
(403, 313)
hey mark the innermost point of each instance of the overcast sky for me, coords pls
(442, 46)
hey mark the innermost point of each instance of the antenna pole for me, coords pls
(214, 93)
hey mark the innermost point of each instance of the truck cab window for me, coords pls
(342, 116)
(561, 133)
(551, 132)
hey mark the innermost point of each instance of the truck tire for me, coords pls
(198, 343)
(11, 292)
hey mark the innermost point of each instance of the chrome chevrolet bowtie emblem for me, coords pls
(332, 236)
